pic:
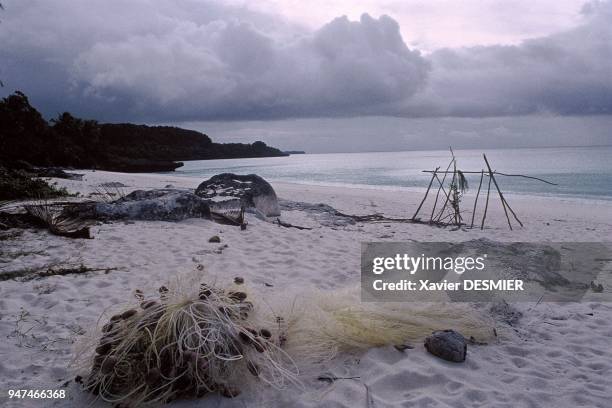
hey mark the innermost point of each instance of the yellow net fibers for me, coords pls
(323, 324)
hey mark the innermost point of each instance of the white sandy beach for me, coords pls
(560, 355)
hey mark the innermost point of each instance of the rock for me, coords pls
(249, 191)
(161, 205)
(215, 238)
(448, 345)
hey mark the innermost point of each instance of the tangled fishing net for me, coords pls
(185, 344)
(196, 338)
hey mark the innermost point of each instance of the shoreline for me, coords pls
(563, 348)
(415, 190)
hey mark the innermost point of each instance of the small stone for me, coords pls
(214, 238)
(448, 345)
(238, 280)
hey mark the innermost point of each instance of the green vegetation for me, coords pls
(68, 141)
(19, 184)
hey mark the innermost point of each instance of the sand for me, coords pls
(558, 355)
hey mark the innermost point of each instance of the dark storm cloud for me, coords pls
(566, 73)
(154, 62)
(197, 60)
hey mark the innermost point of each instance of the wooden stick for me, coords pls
(484, 216)
(501, 196)
(433, 210)
(476, 200)
(513, 214)
(426, 193)
(448, 195)
(501, 174)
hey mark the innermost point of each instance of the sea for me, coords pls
(582, 172)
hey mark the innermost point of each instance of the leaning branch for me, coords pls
(497, 173)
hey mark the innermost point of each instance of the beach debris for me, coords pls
(596, 287)
(214, 238)
(249, 191)
(113, 184)
(476, 342)
(450, 213)
(330, 378)
(57, 221)
(220, 249)
(288, 225)
(186, 345)
(505, 312)
(330, 217)
(25, 275)
(238, 280)
(223, 214)
(403, 347)
(448, 345)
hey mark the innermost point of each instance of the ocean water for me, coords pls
(584, 172)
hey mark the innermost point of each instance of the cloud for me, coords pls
(567, 73)
(235, 64)
(188, 60)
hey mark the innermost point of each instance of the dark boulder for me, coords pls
(248, 191)
(448, 345)
(162, 205)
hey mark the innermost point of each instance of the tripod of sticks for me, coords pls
(450, 213)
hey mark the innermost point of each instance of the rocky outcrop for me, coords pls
(233, 190)
(163, 204)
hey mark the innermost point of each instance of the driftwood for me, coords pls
(501, 196)
(426, 193)
(28, 275)
(457, 186)
(484, 216)
(431, 218)
(287, 225)
(476, 199)
(499, 173)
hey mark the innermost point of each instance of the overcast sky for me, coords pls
(360, 75)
